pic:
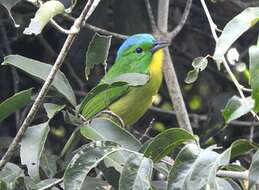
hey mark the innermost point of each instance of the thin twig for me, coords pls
(162, 16)
(52, 184)
(213, 28)
(151, 16)
(233, 174)
(183, 20)
(46, 86)
(145, 134)
(97, 29)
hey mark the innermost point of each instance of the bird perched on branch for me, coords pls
(129, 86)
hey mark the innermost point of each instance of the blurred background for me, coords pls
(204, 99)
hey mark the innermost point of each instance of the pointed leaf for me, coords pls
(137, 173)
(97, 52)
(165, 142)
(41, 70)
(32, 145)
(234, 29)
(106, 130)
(84, 161)
(15, 102)
(52, 109)
(237, 107)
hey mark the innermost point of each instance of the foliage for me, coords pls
(102, 153)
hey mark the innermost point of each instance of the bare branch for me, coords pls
(52, 184)
(45, 88)
(151, 16)
(162, 17)
(185, 15)
(97, 29)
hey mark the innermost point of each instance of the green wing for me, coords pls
(101, 97)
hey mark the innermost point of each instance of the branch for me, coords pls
(151, 16)
(213, 28)
(233, 174)
(97, 29)
(52, 184)
(175, 93)
(46, 86)
(169, 71)
(185, 15)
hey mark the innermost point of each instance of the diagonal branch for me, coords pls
(85, 14)
(151, 16)
(185, 15)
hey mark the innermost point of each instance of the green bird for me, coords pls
(141, 54)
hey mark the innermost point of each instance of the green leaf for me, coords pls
(84, 161)
(106, 130)
(95, 183)
(97, 52)
(191, 168)
(9, 4)
(133, 79)
(15, 102)
(200, 63)
(137, 173)
(234, 29)
(43, 15)
(192, 76)
(52, 109)
(254, 170)
(254, 69)
(10, 174)
(48, 163)
(165, 142)
(236, 107)
(226, 184)
(46, 182)
(32, 145)
(41, 70)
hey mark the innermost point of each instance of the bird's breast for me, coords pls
(133, 105)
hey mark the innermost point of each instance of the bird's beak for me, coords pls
(158, 45)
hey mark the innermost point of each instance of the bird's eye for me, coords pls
(139, 50)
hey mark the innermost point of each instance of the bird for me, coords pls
(139, 53)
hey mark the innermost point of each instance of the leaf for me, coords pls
(95, 183)
(52, 109)
(191, 168)
(87, 158)
(226, 184)
(46, 182)
(97, 52)
(106, 130)
(48, 163)
(234, 29)
(200, 63)
(236, 107)
(165, 142)
(43, 15)
(9, 4)
(192, 76)
(15, 102)
(32, 145)
(133, 79)
(136, 173)
(10, 173)
(41, 70)
(254, 69)
(253, 175)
